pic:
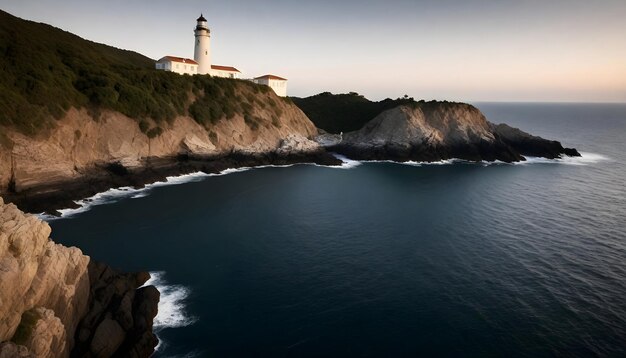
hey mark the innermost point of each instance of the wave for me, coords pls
(346, 163)
(172, 313)
(584, 159)
(115, 194)
(172, 310)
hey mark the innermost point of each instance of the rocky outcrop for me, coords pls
(120, 316)
(50, 294)
(43, 333)
(434, 131)
(530, 145)
(295, 144)
(37, 273)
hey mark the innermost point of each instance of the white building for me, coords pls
(202, 46)
(278, 84)
(183, 66)
(201, 63)
(225, 71)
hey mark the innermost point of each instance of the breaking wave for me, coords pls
(116, 194)
(172, 305)
(585, 159)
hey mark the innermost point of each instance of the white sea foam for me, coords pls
(98, 199)
(115, 194)
(585, 159)
(347, 163)
(172, 313)
(172, 310)
(351, 163)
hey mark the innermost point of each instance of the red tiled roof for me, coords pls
(179, 59)
(224, 68)
(271, 77)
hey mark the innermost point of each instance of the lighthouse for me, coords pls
(202, 49)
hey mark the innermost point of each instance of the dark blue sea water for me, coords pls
(389, 260)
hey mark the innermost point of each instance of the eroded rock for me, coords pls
(55, 302)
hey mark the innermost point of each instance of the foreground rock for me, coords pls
(55, 302)
(434, 131)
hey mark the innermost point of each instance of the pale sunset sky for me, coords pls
(464, 50)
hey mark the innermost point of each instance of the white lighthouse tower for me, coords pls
(202, 49)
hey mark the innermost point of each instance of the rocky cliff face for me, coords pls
(43, 284)
(441, 130)
(85, 153)
(79, 142)
(50, 294)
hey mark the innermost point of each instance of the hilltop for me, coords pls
(73, 110)
(336, 113)
(48, 71)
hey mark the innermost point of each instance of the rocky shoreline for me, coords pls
(49, 198)
(440, 131)
(57, 302)
(101, 312)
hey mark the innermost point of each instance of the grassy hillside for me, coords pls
(45, 71)
(346, 112)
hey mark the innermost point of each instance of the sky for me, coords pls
(462, 50)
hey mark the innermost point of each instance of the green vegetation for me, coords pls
(46, 71)
(345, 112)
(26, 326)
(5, 141)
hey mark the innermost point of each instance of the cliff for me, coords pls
(88, 154)
(72, 109)
(433, 131)
(79, 142)
(54, 301)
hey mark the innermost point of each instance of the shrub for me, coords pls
(144, 126)
(26, 326)
(276, 122)
(251, 122)
(213, 137)
(5, 141)
(271, 102)
(154, 132)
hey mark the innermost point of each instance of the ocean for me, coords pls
(386, 260)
